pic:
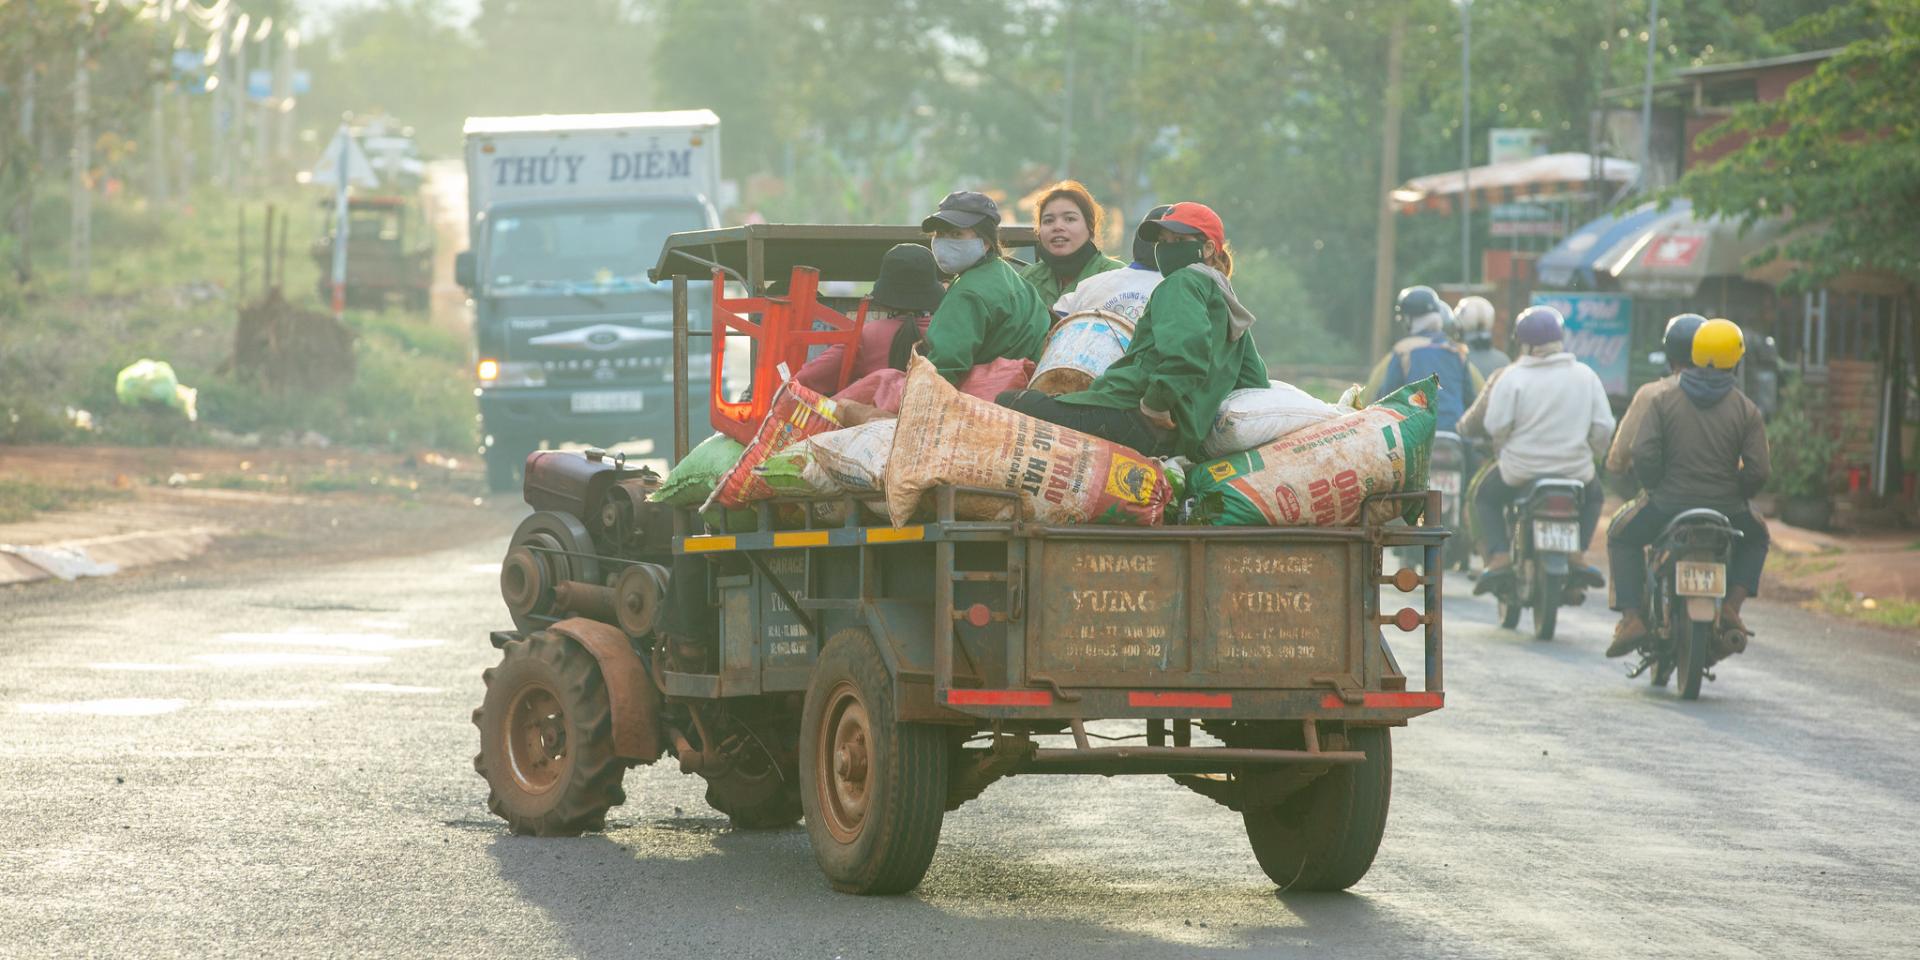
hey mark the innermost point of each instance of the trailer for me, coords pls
(874, 677)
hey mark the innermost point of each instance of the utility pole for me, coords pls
(157, 118)
(344, 141)
(283, 101)
(79, 249)
(262, 111)
(216, 63)
(1066, 122)
(237, 96)
(1466, 141)
(1646, 101)
(1386, 226)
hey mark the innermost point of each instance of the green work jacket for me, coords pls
(988, 313)
(1051, 290)
(1180, 360)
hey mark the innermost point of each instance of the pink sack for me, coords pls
(989, 380)
(881, 388)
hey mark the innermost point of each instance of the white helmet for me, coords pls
(1476, 317)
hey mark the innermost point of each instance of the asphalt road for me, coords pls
(278, 765)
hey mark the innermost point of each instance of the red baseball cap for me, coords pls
(1189, 218)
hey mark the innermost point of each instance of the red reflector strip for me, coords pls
(1205, 701)
(1000, 698)
(1413, 699)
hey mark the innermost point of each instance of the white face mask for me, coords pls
(954, 254)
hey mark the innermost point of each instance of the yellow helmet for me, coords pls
(1719, 345)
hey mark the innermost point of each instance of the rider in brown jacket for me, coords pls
(1698, 442)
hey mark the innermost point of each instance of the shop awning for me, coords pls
(1517, 181)
(1673, 253)
(1576, 256)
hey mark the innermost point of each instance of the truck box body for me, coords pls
(565, 215)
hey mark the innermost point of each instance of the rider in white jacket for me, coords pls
(1548, 417)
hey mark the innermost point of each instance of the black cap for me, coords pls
(909, 280)
(963, 209)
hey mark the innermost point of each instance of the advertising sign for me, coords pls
(1599, 332)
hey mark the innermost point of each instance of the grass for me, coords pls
(21, 499)
(1840, 601)
(165, 286)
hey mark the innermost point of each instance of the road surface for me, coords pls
(212, 764)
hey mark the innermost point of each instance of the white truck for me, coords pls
(565, 213)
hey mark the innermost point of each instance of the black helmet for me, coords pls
(1416, 302)
(1143, 249)
(1678, 341)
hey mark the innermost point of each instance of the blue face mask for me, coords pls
(954, 254)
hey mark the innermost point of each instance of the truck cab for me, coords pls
(573, 343)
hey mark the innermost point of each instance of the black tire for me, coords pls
(546, 739)
(1546, 605)
(507, 463)
(874, 789)
(1324, 836)
(1690, 642)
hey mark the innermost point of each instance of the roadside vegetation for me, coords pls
(166, 286)
(20, 499)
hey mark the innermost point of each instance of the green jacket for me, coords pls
(1181, 360)
(1041, 276)
(988, 313)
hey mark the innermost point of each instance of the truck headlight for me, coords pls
(509, 373)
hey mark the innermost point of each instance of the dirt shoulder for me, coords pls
(136, 510)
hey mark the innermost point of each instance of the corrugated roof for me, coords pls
(1744, 66)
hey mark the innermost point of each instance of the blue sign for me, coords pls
(1599, 332)
(259, 84)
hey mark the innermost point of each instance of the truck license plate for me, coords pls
(1446, 481)
(1692, 578)
(1561, 536)
(608, 401)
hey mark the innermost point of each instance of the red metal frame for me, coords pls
(783, 334)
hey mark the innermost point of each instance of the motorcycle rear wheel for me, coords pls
(1690, 641)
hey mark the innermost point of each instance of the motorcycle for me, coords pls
(1545, 524)
(1686, 583)
(1447, 472)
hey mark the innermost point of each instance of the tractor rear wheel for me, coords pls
(1324, 836)
(874, 789)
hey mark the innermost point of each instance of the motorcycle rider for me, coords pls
(1699, 443)
(1548, 417)
(1476, 327)
(1677, 342)
(1423, 352)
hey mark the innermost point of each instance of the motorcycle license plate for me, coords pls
(1445, 481)
(1560, 536)
(608, 401)
(1692, 578)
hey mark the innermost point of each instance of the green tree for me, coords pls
(1838, 154)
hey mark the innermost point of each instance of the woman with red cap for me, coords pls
(1192, 347)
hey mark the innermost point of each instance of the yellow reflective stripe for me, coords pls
(895, 534)
(705, 544)
(807, 538)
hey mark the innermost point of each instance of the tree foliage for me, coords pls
(1839, 154)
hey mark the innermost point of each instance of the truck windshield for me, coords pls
(584, 247)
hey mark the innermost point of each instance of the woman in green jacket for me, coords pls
(1193, 345)
(1066, 220)
(988, 312)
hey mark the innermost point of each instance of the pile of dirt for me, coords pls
(287, 348)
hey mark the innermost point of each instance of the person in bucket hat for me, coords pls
(988, 312)
(1193, 345)
(902, 303)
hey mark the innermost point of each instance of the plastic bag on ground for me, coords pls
(1060, 475)
(154, 382)
(850, 461)
(1257, 416)
(1320, 476)
(1081, 347)
(691, 481)
(795, 414)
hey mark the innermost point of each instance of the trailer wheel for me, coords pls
(1324, 836)
(765, 800)
(546, 739)
(874, 789)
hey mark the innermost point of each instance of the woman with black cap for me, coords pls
(901, 305)
(988, 312)
(1191, 348)
(1066, 221)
